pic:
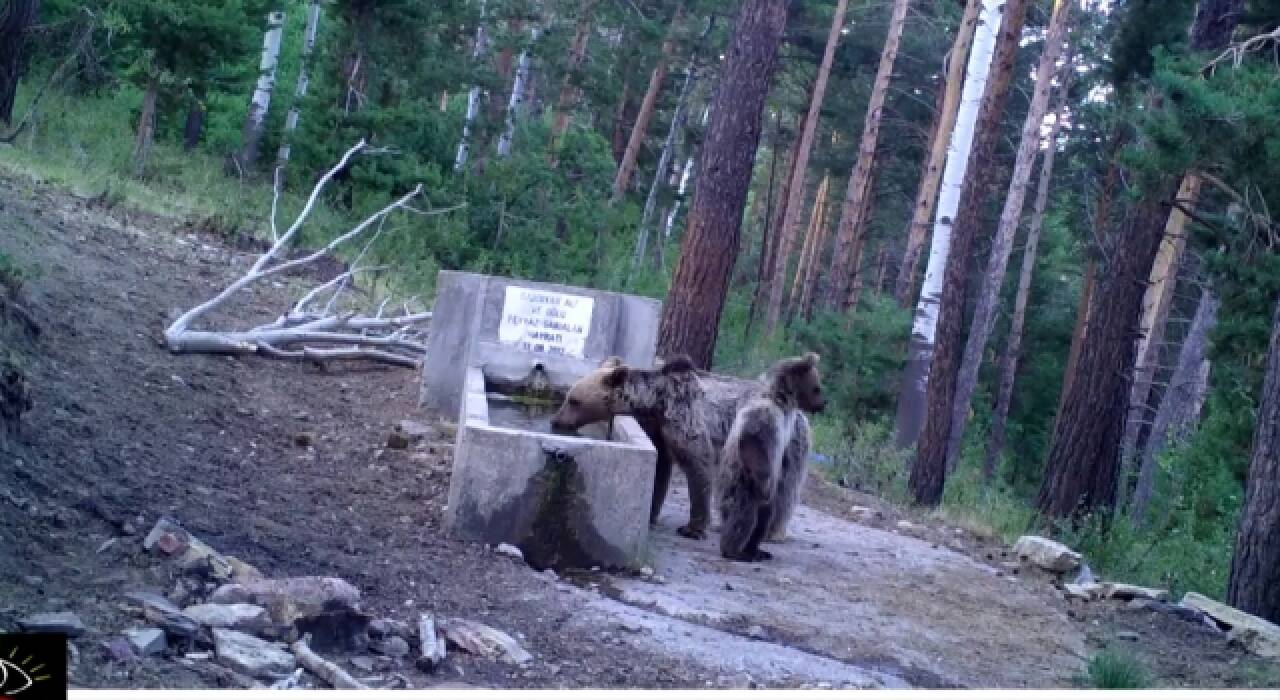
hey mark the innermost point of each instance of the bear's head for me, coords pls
(798, 379)
(595, 397)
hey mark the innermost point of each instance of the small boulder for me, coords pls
(229, 593)
(412, 429)
(482, 640)
(510, 551)
(362, 663)
(291, 599)
(67, 623)
(147, 641)
(119, 649)
(251, 656)
(1047, 554)
(244, 617)
(387, 627)
(1252, 632)
(395, 647)
(165, 615)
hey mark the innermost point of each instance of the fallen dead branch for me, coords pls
(310, 330)
(327, 671)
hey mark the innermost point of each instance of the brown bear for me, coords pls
(751, 468)
(680, 408)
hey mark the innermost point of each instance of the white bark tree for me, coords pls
(255, 122)
(984, 319)
(473, 97)
(915, 385)
(304, 79)
(518, 87)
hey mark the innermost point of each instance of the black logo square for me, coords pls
(33, 667)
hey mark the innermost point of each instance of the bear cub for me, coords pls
(752, 459)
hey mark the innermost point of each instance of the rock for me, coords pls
(395, 647)
(387, 627)
(241, 571)
(412, 429)
(510, 551)
(1047, 554)
(244, 617)
(229, 593)
(251, 656)
(291, 599)
(906, 526)
(646, 571)
(1254, 633)
(165, 615)
(482, 640)
(304, 439)
(432, 647)
(169, 537)
(1085, 575)
(147, 641)
(1127, 636)
(67, 623)
(361, 663)
(397, 440)
(756, 632)
(119, 649)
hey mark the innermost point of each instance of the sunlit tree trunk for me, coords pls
(811, 245)
(958, 62)
(915, 381)
(627, 167)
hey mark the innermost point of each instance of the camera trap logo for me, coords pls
(33, 667)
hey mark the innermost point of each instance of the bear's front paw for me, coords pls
(692, 532)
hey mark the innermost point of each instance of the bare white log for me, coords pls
(304, 333)
(328, 671)
(433, 645)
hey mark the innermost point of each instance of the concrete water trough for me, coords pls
(567, 501)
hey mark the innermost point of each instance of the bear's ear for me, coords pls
(612, 362)
(614, 377)
(811, 359)
(677, 364)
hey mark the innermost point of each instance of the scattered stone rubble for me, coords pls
(255, 631)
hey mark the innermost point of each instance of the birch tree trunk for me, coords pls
(516, 103)
(984, 315)
(1013, 346)
(685, 176)
(1155, 312)
(1254, 583)
(627, 168)
(958, 62)
(915, 383)
(691, 315)
(1180, 407)
(473, 95)
(304, 80)
(855, 209)
(568, 93)
(791, 216)
(664, 167)
(260, 104)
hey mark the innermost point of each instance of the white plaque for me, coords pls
(535, 320)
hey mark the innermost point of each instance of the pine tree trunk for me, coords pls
(519, 88)
(304, 80)
(691, 314)
(956, 410)
(256, 121)
(627, 167)
(1214, 23)
(1180, 407)
(1254, 583)
(800, 168)
(855, 209)
(145, 135)
(618, 142)
(1082, 465)
(1013, 346)
(915, 380)
(16, 18)
(908, 286)
(1155, 312)
(809, 291)
(193, 129)
(568, 93)
(882, 267)
(943, 135)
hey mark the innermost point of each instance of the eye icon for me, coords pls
(16, 677)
